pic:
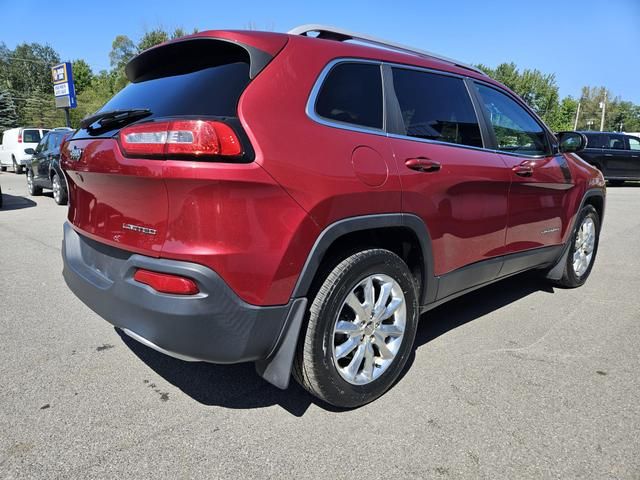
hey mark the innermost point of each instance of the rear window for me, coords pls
(208, 91)
(31, 136)
(352, 93)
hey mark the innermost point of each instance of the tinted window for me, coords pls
(515, 129)
(436, 107)
(616, 142)
(54, 142)
(209, 91)
(352, 93)
(597, 140)
(634, 143)
(42, 145)
(31, 136)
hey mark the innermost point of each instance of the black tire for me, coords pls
(569, 277)
(17, 169)
(3, 169)
(314, 366)
(31, 186)
(60, 194)
(616, 183)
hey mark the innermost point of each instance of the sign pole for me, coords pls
(67, 116)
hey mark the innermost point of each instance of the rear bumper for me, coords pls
(215, 325)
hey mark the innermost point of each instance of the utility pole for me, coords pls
(575, 124)
(603, 105)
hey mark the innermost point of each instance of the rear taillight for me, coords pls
(166, 283)
(20, 137)
(180, 138)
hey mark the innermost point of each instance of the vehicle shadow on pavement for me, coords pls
(474, 305)
(239, 386)
(230, 386)
(15, 202)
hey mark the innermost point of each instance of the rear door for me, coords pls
(457, 187)
(633, 145)
(540, 178)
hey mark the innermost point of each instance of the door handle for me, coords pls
(422, 164)
(523, 170)
(608, 154)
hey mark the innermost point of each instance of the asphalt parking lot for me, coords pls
(517, 380)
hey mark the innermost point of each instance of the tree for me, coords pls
(152, 38)
(39, 111)
(537, 89)
(178, 32)
(566, 114)
(82, 75)
(122, 50)
(8, 114)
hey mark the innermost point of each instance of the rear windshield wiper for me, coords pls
(112, 117)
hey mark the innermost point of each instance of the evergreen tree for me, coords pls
(8, 114)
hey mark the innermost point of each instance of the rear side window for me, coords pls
(436, 107)
(208, 91)
(634, 143)
(515, 129)
(31, 136)
(352, 93)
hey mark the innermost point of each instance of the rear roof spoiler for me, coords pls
(341, 35)
(151, 62)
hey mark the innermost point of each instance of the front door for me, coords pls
(540, 179)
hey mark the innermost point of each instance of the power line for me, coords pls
(31, 60)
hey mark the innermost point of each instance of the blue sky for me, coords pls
(584, 42)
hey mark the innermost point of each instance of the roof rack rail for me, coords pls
(332, 33)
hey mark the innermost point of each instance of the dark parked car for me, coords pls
(616, 155)
(299, 202)
(43, 171)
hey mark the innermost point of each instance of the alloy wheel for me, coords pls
(584, 246)
(369, 329)
(56, 188)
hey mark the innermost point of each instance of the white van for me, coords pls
(12, 145)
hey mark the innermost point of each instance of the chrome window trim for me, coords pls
(311, 102)
(313, 96)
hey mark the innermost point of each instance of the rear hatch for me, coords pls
(181, 105)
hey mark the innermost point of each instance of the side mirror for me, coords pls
(571, 142)
(29, 151)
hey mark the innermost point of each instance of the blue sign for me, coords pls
(63, 88)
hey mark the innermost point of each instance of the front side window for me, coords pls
(436, 107)
(597, 140)
(616, 142)
(515, 129)
(352, 93)
(54, 142)
(634, 143)
(41, 146)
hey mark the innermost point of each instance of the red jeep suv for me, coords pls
(298, 201)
